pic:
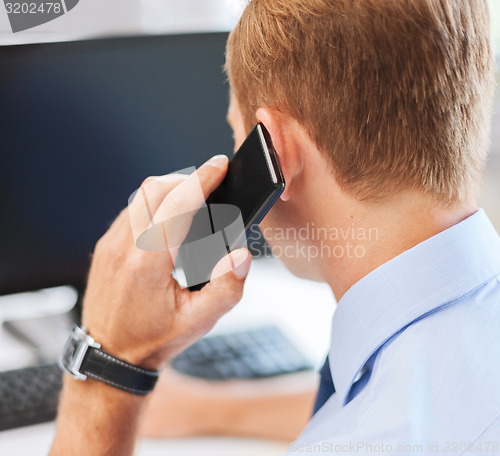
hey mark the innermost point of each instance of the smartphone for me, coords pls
(253, 183)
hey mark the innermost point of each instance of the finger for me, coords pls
(145, 201)
(191, 194)
(179, 206)
(223, 291)
(155, 188)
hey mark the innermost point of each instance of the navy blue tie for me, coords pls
(326, 386)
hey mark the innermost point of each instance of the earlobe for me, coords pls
(285, 196)
(276, 125)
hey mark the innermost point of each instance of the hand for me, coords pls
(132, 305)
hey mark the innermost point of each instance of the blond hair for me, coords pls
(397, 94)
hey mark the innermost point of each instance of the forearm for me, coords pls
(96, 419)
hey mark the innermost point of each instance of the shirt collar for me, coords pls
(431, 275)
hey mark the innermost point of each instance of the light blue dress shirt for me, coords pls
(415, 353)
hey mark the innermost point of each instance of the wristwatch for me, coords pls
(82, 357)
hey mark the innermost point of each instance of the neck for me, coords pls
(368, 235)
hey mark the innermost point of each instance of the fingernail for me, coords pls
(218, 161)
(241, 262)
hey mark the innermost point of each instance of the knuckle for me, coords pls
(100, 245)
(174, 203)
(115, 251)
(110, 249)
(147, 181)
(232, 296)
(144, 269)
(136, 264)
(238, 295)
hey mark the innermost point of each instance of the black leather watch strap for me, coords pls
(101, 366)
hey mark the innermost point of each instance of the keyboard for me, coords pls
(263, 352)
(30, 395)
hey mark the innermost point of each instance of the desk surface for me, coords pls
(303, 309)
(36, 440)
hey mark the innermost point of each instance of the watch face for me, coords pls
(74, 352)
(70, 349)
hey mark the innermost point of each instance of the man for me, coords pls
(379, 113)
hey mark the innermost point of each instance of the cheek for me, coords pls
(239, 138)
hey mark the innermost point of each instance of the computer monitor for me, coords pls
(81, 125)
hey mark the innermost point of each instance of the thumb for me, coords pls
(233, 267)
(225, 288)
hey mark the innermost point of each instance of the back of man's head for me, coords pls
(396, 94)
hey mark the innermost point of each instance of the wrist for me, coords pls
(123, 345)
(84, 358)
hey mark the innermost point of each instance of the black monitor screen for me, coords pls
(81, 125)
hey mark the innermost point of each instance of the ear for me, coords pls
(285, 143)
